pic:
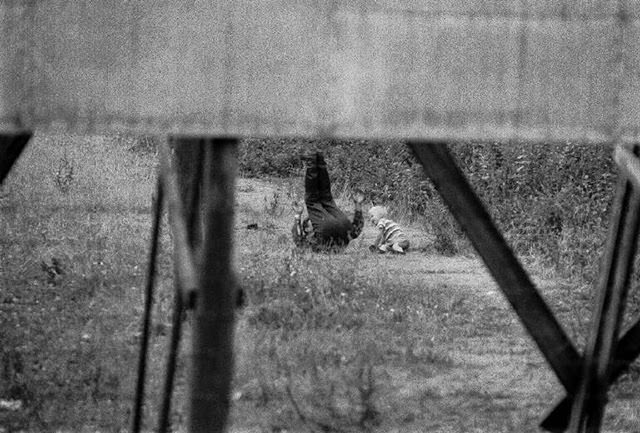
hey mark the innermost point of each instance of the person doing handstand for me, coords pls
(390, 238)
(326, 228)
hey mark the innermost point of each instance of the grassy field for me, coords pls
(326, 343)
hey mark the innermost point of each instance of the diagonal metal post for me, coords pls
(11, 146)
(136, 423)
(505, 268)
(189, 164)
(627, 348)
(188, 177)
(588, 407)
(183, 227)
(184, 211)
(164, 420)
(212, 346)
(627, 351)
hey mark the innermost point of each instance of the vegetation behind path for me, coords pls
(347, 342)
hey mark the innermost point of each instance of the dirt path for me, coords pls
(254, 195)
(493, 377)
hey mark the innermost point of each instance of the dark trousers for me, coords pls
(330, 224)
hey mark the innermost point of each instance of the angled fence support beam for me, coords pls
(505, 268)
(136, 423)
(184, 185)
(628, 164)
(212, 346)
(11, 146)
(588, 407)
(183, 232)
(188, 154)
(628, 350)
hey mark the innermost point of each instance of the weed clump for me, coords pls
(551, 200)
(64, 174)
(305, 292)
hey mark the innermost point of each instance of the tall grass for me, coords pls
(336, 342)
(552, 201)
(69, 336)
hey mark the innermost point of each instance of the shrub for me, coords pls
(550, 200)
(64, 174)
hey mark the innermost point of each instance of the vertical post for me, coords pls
(188, 157)
(11, 146)
(183, 187)
(212, 352)
(188, 160)
(588, 406)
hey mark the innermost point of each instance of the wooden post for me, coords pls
(212, 352)
(11, 146)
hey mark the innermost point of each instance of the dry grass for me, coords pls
(348, 342)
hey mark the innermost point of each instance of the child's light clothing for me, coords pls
(390, 237)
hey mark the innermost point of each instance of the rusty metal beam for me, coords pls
(212, 347)
(11, 146)
(505, 268)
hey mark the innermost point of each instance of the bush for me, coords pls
(550, 200)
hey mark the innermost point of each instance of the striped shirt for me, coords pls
(390, 232)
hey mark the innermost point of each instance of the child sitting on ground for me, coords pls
(390, 238)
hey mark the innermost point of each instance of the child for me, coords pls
(327, 227)
(391, 238)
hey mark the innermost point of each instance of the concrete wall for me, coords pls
(494, 69)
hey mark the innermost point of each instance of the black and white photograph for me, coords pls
(319, 216)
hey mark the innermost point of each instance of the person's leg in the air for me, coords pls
(331, 227)
(324, 190)
(312, 195)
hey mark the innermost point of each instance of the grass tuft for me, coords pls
(348, 342)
